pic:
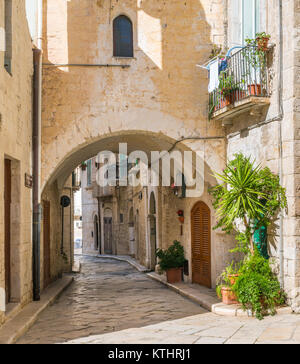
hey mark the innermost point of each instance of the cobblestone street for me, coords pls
(107, 296)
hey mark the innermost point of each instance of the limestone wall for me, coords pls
(263, 142)
(15, 144)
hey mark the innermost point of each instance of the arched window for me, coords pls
(123, 37)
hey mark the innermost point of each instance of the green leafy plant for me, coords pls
(173, 257)
(257, 287)
(247, 193)
(224, 279)
(256, 52)
(217, 51)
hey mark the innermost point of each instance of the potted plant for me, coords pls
(247, 198)
(257, 287)
(83, 166)
(172, 261)
(180, 214)
(262, 41)
(225, 283)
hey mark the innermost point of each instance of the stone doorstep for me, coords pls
(204, 298)
(17, 326)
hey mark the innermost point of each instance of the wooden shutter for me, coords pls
(201, 244)
(235, 23)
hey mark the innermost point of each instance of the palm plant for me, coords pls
(247, 193)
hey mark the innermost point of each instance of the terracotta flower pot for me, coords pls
(254, 90)
(228, 296)
(224, 101)
(239, 95)
(174, 275)
(262, 44)
(233, 278)
(181, 219)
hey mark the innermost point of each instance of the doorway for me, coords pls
(7, 228)
(108, 236)
(46, 235)
(201, 244)
(96, 233)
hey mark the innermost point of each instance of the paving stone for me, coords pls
(109, 296)
(274, 334)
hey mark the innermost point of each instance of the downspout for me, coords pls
(281, 113)
(36, 230)
(36, 143)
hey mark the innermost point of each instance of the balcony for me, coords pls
(240, 87)
(106, 192)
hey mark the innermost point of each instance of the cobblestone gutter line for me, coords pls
(12, 330)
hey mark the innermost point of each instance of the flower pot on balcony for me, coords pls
(262, 43)
(228, 296)
(239, 95)
(174, 275)
(225, 101)
(254, 90)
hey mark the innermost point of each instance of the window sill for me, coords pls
(117, 57)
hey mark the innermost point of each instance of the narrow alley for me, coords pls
(107, 296)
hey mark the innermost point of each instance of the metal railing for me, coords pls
(244, 74)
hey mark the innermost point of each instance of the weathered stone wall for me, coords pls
(162, 93)
(262, 142)
(160, 98)
(15, 144)
(89, 211)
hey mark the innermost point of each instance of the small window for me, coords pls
(123, 37)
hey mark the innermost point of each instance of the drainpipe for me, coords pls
(281, 113)
(36, 175)
(36, 143)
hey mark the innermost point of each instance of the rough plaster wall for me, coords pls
(15, 143)
(89, 210)
(262, 143)
(168, 97)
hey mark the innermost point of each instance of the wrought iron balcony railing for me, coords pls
(242, 75)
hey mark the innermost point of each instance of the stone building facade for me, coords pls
(16, 70)
(157, 100)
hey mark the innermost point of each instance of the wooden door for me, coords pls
(46, 234)
(201, 244)
(7, 227)
(108, 235)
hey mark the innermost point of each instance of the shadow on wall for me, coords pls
(163, 76)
